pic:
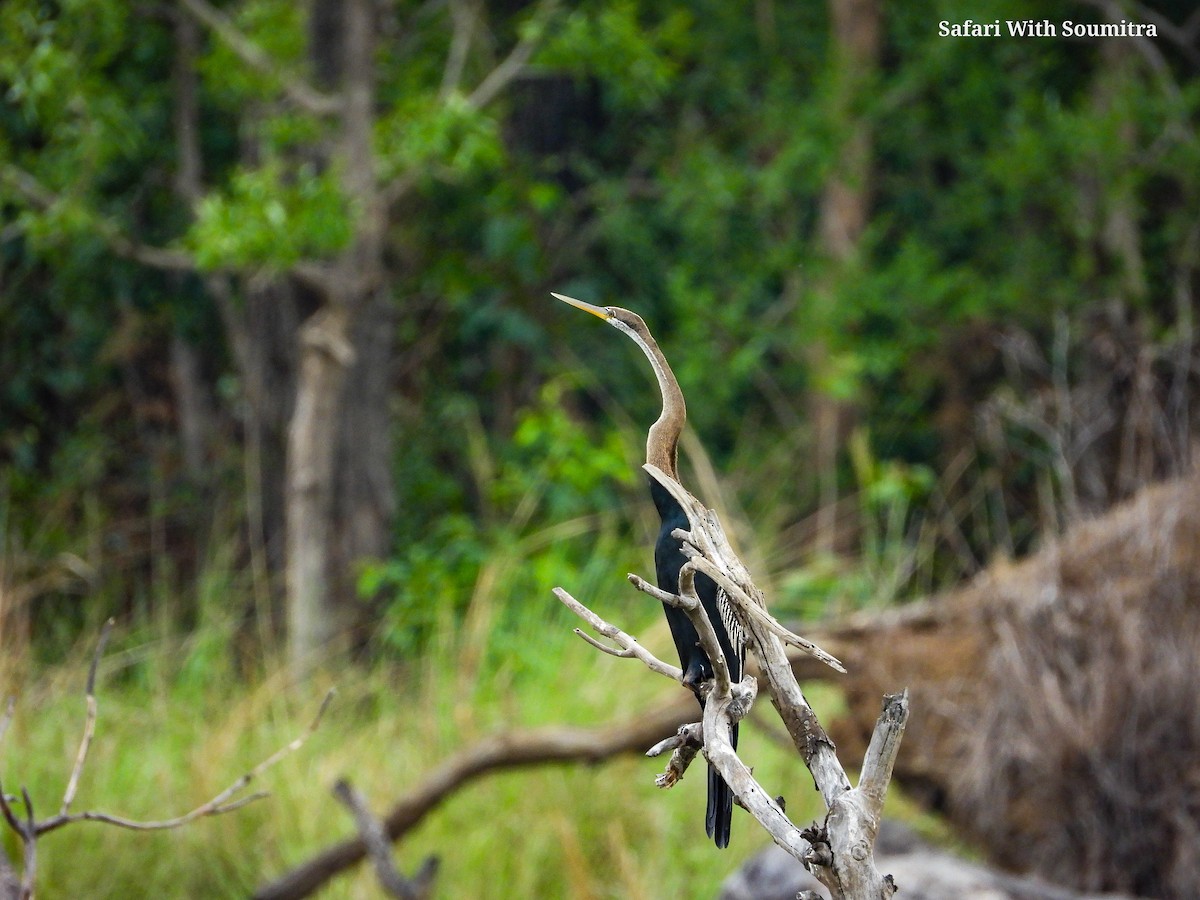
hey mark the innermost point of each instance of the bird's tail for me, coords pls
(719, 815)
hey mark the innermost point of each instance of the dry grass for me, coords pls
(1054, 700)
(1083, 762)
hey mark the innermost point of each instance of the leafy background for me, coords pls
(1008, 349)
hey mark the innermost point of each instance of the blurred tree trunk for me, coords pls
(845, 204)
(315, 349)
(260, 322)
(322, 454)
(313, 356)
(194, 410)
(365, 494)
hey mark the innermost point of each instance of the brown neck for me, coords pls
(662, 441)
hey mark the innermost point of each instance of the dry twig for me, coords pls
(420, 886)
(30, 829)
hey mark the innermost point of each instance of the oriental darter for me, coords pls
(662, 451)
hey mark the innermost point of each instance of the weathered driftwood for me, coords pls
(838, 851)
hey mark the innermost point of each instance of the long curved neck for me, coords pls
(662, 441)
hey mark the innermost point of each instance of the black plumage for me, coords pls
(668, 560)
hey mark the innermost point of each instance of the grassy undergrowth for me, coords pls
(181, 716)
(176, 726)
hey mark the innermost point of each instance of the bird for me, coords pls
(662, 443)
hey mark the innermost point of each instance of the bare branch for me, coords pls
(757, 801)
(297, 91)
(630, 648)
(722, 684)
(28, 837)
(684, 745)
(9, 816)
(465, 16)
(29, 829)
(512, 65)
(89, 725)
(499, 752)
(691, 734)
(371, 830)
(220, 804)
(881, 753)
(679, 602)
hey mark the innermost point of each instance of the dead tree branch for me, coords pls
(89, 725)
(839, 850)
(370, 829)
(29, 829)
(499, 752)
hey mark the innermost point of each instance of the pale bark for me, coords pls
(325, 353)
(838, 851)
(319, 604)
(332, 488)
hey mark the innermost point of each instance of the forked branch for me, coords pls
(29, 828)
(839, 850)
(374, 837)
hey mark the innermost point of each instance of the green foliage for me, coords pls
(672, 159)
(271, 217)
(443, 137)
(276, 27)
(613, 42)
(555, 461)
(894, 549)
(551, 471)
(431, 579)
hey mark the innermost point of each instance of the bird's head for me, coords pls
(663, 437)
(621, 319)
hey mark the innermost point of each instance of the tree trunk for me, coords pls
(195, 420)
(365, 498)
(319, 585)
(325, 354)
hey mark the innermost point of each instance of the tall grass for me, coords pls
(185, 709)
(179, 720)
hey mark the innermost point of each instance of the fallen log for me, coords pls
(1054, 704)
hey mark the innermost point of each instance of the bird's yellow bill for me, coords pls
(586, 307)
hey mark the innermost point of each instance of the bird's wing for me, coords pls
(736, 633)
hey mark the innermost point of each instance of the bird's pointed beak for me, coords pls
(586, 307)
